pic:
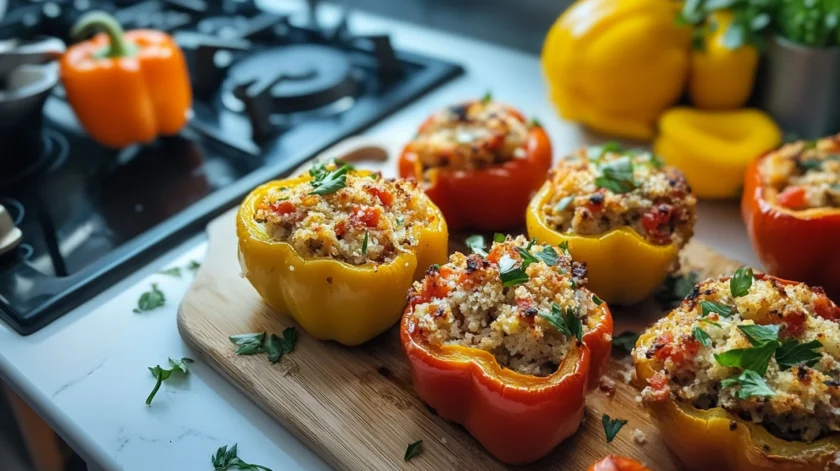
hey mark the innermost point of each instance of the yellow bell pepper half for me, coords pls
(616, 65)
(721, 78)
(330, 299)
(713, 148)
(622, 267)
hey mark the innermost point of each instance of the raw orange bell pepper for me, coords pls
(795, 244)
(126, 87)
(618, 463)
(517, 418)
(488, 199)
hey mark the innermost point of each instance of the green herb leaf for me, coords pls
(752, 385)
(413, 450)
(595, 299)
(327, 182)
(365, 244)
(487, 98)
(162, 374)
(566, 322)
(273, 348)
(374, 176)
(741, 281)
(563, 203)
(477, 245)
(535, 123)
(181, 364)
(625, 341)
(611, 426)
(548, 255)
(617, 175)
(436, 266)
(400, 220)
(792, 352)
(150, 300)
(173, 272)
(249, 344)
(564, 246)
(755, 358)
(655, 161)
(509, 273)
(193, 266)
(676, 288)
(289, 339)
(702, 336)
(709, 307)
(498, 237)
(760, 334)
(226, 459)
(708, 321)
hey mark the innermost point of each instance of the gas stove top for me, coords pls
(268, 94)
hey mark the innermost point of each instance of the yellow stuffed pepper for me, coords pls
(616, 65)
(713, 148)
(622, 212)
(338, 249)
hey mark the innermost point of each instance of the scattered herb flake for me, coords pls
(487, 98)
(611, 426)
(760, 334)
(792, 352)
(272, 344)
(162, 374)
(566, 322)
(755, 358)
(709, 307)
(509, 273)
(413, 450)
(436, 266)
(595, 299)
(564, 246)
(400, 220)
(173, 272)
(327, 182)
(226, 459)
(548, 255)
(702, 336)
(365, 244)
(193, 266)
(741, 281)
(617, 175)
(625, 341)
(150, 300)
(249, 344)
(498, 237)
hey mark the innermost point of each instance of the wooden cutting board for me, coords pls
(355, 407)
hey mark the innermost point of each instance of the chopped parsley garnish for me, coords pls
(476, 244)
(365, 244)
(511, 275)
(708, 321)
(563, 203)
(487, 98)
(760, 334)
(150, 300)
(741, 281)
(755, 358)
(498, 237)
(564, 246)
(325, 181)
(617, 175)
(566, 321)
(413, 450)
(792, 352)
(625, 341)
(226, 459)
(374, 176)
(598, 152)
(193, 266)
(676, 288)
(436, 266)
(527, 258)
(173, 271)
(400, 220)
(752, 385)
(709, 307)
(595, 299)
(548, 255)
(655, 160)
(702, 336)
(162, 374)
(611, 426)
(273, 345)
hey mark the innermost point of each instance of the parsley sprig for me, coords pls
(566, 321)
(611, 426)
(325, 181)
(273, 345)
(226, 459)
(162, 374)
(617, 175)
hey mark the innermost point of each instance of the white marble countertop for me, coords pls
(86, 373)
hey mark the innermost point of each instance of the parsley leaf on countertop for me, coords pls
(150, 300)
(226, 459)
(611, 426)
(413, 450)
(262, 342)
(193, 266)
(162, 374)
(174, 272)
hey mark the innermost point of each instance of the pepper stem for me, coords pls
(96, 20)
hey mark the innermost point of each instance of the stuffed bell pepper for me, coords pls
(791, 207)
(622, 212)
(480, 162)
(744, 376)
(507, 341)
(338, 248)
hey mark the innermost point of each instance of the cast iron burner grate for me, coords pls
(268, 94)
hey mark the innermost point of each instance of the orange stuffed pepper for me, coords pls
(507, 342)
(791, 206)
(480, 162)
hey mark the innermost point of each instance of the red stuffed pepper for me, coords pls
(791, 206)
(481, 162)
(507, 343)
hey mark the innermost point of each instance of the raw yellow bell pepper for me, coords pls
(622, 267)
(616, 65)
(713, 148)
(721, 78)
(331, 299)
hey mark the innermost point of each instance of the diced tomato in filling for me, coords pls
(366, 216)
(341, 229)
(678, 352)
(792, 197)
(794, 324)
(826, 308)
(653, 220)
(386, 197)
(659, 384)
(283, 207)
(435, 288)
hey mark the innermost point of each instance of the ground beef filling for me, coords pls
(595, 190)
(465, 302)
(369, 220)
(470, 136)
(804, 174)
(797, 397)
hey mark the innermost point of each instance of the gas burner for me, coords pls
(51, 151)
(225, 27)
(288, 79)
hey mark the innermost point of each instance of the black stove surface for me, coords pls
(267, 96)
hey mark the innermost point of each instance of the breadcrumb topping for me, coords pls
(804, 174)
(468, 302)
(594, 190)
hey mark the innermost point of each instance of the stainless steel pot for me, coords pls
(800, 88)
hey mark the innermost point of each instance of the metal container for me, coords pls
(800, 88)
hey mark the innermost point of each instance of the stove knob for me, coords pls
(10, 235)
